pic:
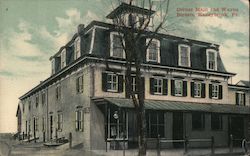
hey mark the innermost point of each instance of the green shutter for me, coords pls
(120, 83)
(210, 91)
(152, 86)
(192, 89)
(104, 82)
(172, 88)
(203, 90)
(184, 89)
(165, 86)
(220, 91)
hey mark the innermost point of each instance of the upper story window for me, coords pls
(79, 84)
(184, 55)
(158, 85)
(36, 123)
(132, 20)
(59, 121)
(23, 108)
(79, 120)
(37, 101)
(117, 43)
(63, 58)
(112, 82)
(77, 48)
(198, 89)
(133, 84)
(240, 98)
(58, 91)
(43, 97)
(29, 105)
(211, 59)
(53, 67)
(153, 50)
(178, 87)
(198, 121)
(215, 91)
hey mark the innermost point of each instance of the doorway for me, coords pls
(178, 129)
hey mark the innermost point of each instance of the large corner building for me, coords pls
(187, 91)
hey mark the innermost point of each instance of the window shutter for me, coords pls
(120, 83)
(210, 91)
(184, 88)
(77, 85)
(172, 88)
(104, 82)
(152, 86)
(192, 89)
(76, 120)
(244, 99)
(165, 86)
(203, 90)
(220, 92)
(237, 98)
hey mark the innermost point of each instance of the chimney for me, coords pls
(80, 28)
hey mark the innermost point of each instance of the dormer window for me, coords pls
(63, 58)
(53, 69)
(153, 50)
(116, 49)
(77, 48)
(211, 59)
(184, 55)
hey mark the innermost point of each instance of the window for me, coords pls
(59, 121)
(29, 105)
(53, 66)
(63, 58)
(43, 97)
(117, 123)
(23, 108)
(178, 87)
(36, 123)
(215, 91)
(116, 45)
(153, 50)
(216, 121)
(79, 120)
(198, 121)
(132, 20)
(211, 59)
(79, 84)
(133, 84)
(37, 100)
(197, 89)
(158, 86)
(77, 48)
(155, 123)
(184, 55)
(43, 124)
(240, 98)
(112, 82)
(58, 91)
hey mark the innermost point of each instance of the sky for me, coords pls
(33, 30)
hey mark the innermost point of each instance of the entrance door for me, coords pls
(178, 129)
(51, 127)
(236, 128)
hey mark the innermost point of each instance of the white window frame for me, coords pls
(113, 84)
(188, 55)
(80, 85)
(215, 59)
(197, 89)
(215, 91)
(240, 101)
(43, 98)
(63, 58)
(58, 91)
(112, 34)
(77, 45)
(79, 120)
(53, 70)
(158, 50)
(59, 121)
(133, 84)
(176, 90)
(158, 84)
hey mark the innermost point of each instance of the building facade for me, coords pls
(187, 93)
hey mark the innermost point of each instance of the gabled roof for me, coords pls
(124, 7)
(243, 83)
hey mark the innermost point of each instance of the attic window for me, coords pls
(211, 59)
(153, 50)
(77, 48)
(63, 58)
(184, 55)
(53, 70)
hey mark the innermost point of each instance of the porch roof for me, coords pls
(177, 105)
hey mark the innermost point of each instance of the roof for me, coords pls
(243, 83)
(124, 7)
(178, 106)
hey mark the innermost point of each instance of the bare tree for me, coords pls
(132, 31)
